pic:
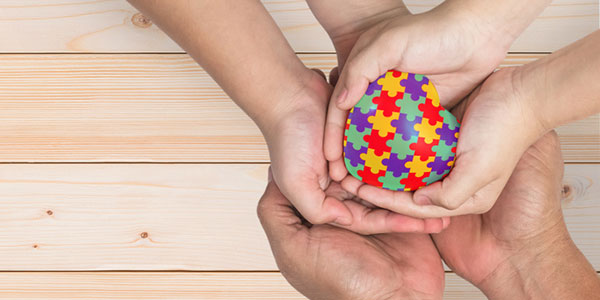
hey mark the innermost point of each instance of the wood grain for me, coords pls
(175, 216)
(152, 108)
(114, 26)
(171, 285)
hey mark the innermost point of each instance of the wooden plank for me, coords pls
(152, 108)
(174, 216)
(114, 26)
(180, 285)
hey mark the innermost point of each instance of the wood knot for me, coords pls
(144, 235)
(566, 191)
(35, 246)
(49, 212)
(140, 20)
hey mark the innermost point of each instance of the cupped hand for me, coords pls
(499, 124)
(526, 221)
(327, 262)
(300, 169)
(454, 48)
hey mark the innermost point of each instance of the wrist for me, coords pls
(306, 98)
(520, 276)
(548, 267)
(503, 21)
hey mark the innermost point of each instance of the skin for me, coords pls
(327, 262)
(221, 37)
(529, 100)
(521, 248)
(509, 101)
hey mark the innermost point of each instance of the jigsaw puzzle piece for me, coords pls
(382, 123)
(357, 137)
(431, 111)
(405, 127)
(413, 182)
(428, 131)
(391, 182)
(419, 165)
(424, 149)
(397, 165)
(367, 176)
(414, 86)
(374, 161)
(391, 82)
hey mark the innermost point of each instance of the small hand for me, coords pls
(327, 262)
(300, 169)
(454, 48)
(499, 124)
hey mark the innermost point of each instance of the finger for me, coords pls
(446, 221)
(361, 69)
(320, 73)
(334, 75)
(402, 203)
(334, 132)
(337, 169)
(375, 221)
(434, 225)
(276, 215)
(351, 184)
(457, 188)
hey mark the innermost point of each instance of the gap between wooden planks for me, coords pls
(180, 285)
(114, 26)
(153, 108)
(175, 216)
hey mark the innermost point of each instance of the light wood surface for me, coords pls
(175, 216)
(178, 230)
(114, 26)
(153, 108)
(171, 285)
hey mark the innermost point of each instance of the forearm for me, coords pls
(560, 271)
(501, 20)
(239, 45)
(563, 86)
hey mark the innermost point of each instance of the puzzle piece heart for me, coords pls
(398, 136)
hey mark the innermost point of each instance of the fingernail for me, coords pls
(342, 97)
(423, 200)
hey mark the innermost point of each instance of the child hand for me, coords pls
(300, 170)
(452, 48)
(499, 124)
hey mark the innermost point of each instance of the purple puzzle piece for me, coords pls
(406, 127)
(447, 134)
(361, 120)
(415, 87)
(439, 165)
(353, 155)
(374, 86)
(397, 166)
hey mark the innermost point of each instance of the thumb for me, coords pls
(457, 188)
(361, 69)
(276, 214)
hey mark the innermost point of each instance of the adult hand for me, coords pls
(327, 262)
(300, 169)
(523, 239)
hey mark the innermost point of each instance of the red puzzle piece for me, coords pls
(379, 143)
(423, 149)
(369, 177)
(431, 112)
(387, 104)
(413, 182)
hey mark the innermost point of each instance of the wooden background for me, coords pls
(117, 154)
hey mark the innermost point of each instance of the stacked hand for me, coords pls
(300, 170)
